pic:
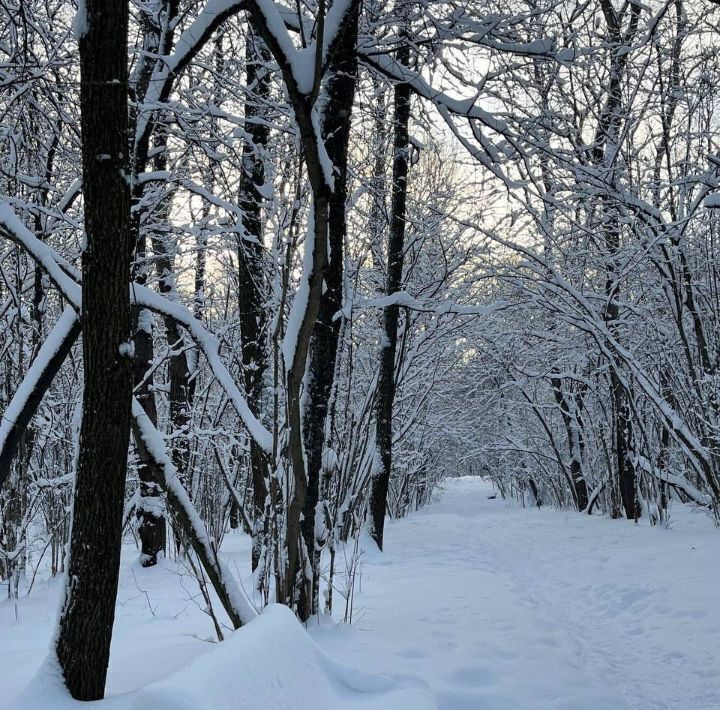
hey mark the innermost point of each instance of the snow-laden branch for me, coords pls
(190, 42)
(590, 321)
(233, 598)
(23, 405)
(193, 38)
(674, 480)
(276, 19)
(467, 108)
(301, 62)
(302, 297)
(28, 395)
(208, 343)
(404, 299)
(12, 228)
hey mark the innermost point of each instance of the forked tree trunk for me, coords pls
(292, 580)
(340, 92)
(83, 643)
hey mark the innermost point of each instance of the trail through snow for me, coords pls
(498, 607)
(477, 603)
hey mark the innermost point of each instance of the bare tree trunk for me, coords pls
(604, 155)
(83, 643)
(576, 440)
(296, 344)
(251, 273)
(150, 504)
(295, 588)
(152, 530)
(391, 313)
(340, 93)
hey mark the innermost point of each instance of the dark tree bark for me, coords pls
(340, 92)
(622, 27)
(627, 476)
(251, 271)
(83, 644)
(291, 579)
(150, 504)
(182, 384)
(157, 39)
(391, 313)
(576, 440)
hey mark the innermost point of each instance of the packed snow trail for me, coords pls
(500, 607)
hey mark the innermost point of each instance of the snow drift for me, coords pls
(270, 664)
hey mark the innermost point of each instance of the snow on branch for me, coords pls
(213, 14)
(190, 42)
(27, 396)
(467, 108)
(302, 62)
(231, 595)
(675, 480)
(299, 62)
(404, 299)
(50, 357)
(591, 322)
(14, 229)
(210, 347)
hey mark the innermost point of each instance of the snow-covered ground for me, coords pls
(500, 607)
(476, 604)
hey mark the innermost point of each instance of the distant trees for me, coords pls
(614, 264)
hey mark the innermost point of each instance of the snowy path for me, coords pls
(497, 607)
(487, 605)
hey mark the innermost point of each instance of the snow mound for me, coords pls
(270, 664)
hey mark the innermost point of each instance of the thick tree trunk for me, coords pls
(386, 380)
(83, 643)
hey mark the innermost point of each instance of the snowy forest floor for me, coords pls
(477, 604)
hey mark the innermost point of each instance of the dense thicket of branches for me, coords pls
(373, 245)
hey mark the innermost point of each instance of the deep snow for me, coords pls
(478, 604)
